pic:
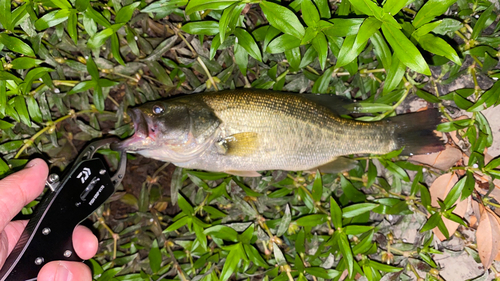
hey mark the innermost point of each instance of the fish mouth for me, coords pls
(141, 132)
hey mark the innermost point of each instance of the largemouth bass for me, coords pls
(244, 131)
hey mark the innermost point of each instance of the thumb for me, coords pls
(65, 271)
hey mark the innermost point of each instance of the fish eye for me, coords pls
(158, 109)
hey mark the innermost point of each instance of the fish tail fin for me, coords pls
(416, 132)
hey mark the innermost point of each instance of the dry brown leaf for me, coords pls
(488, 237)
(482, 186)
(438, 190)
(442, 160)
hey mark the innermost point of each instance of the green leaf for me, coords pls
(394, 168)
(232, 260)
(384, 267)
(4, 125)
(392, 7)
(382, 50)
(155, 257)
(98, 98)
(438, 46)
(125, 13)
(430, 10)
(431, 222)
(34, 109)
(282, 19)
(427, 96)
(184, 205)
(115, 48)
(71, 26)
(83, 86)
(222, 232)
(312, 220)
(200, 5)
(454, 194)
(22, 110)
(248, 43)
(159, 72)
(5, 14)
(100, 38)
(351, 49)
(241, 58)
(481, 22)
(317, 189)
(25, 63)
(61, 4)
(97, 17)
(16, 45)
(229, 19)
(282, 43)
(310, 14)
(322, 273)
(81, 5)
(345, 249)
(357, 229)
(92, 69)
(254, 256)
(426, 28)
(324, 8)
(343, 27)
(201, 27)
(367, 7)
(293, 58)
(321, 85)
(285, 222)
(404, 49)
(321, 46)
(52, 19)
(4, 75)
(357, 209)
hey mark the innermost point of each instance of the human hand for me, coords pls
(16, 191)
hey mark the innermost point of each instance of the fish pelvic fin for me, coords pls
(241, 144)
(416, 132)
(250, 174)
(339, 164)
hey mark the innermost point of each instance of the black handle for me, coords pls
(48, 235)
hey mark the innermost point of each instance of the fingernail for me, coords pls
(30, 164)
(63, 273)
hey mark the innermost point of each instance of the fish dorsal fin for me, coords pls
(338, 104)
(337, 165)
(240, 144)
(250, 174)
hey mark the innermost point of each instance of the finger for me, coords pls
(65, 271)
(20, 188)
(84, 242)
(12, 232)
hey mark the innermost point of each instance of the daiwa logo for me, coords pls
(84, 175)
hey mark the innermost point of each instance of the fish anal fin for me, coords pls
(240, 144)
(251, 174)
(337, 165)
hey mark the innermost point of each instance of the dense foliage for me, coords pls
(70, 69)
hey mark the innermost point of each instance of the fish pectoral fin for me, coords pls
(338, 165)
(251, 174)
(241, 144)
